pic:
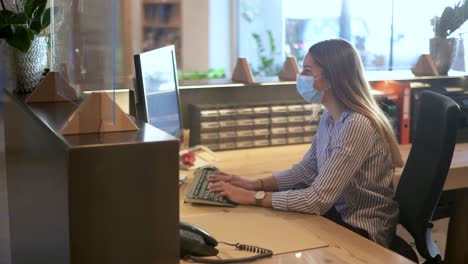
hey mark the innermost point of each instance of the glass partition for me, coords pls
(85, 49)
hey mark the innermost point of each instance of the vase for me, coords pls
(442, 51)
(458, 63)
(30, 66)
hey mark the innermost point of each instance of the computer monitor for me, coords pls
(156, 91)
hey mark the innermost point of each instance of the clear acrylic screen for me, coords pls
(84, 41)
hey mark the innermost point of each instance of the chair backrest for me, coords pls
(426, 168)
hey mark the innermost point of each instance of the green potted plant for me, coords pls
(22, 23)
(204, 75)
(442, 46)
(266, 55)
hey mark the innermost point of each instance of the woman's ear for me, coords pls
(322, 84)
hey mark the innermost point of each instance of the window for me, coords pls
(269, 31)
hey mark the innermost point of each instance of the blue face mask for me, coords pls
(305, 87)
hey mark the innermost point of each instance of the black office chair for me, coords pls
(424, 174)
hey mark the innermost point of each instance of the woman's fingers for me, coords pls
(222, 177)
(233, 193)
(221, 187)
(217, 178)
(234, 180)
(215, 187)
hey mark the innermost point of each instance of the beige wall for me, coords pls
(136, 20)
(195, 34)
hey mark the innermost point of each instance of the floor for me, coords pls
(439, 234)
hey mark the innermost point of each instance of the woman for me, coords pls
(347, 173)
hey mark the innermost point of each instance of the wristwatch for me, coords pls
(259, 196)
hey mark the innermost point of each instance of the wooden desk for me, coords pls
(344, 246)
(457, 178)
(261, 162)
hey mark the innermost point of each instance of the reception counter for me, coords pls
(88, 198)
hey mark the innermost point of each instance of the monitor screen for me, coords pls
(157, 89)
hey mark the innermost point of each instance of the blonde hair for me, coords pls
(343, 68)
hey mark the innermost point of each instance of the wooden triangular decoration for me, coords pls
(425, 66)
(94, 115)
(53, 88)
(290, 70)
(242, 72)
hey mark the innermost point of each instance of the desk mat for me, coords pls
(282, 232)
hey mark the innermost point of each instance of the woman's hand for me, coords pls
(251, 185)
(233, 193)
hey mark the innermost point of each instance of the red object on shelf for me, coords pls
(400, 94)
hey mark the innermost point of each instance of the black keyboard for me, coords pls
(198, 191)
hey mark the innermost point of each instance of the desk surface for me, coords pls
(457, 176)
(261, 162)
(344, 246)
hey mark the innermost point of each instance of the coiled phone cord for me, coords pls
(261, 253)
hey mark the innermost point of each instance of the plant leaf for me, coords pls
(38, 15)
(29, 7)
(6, 32)
(271, 40)
(451, 19)
(31, 34)
(45, 20)
(258, 41)
(21, 40)
(446, 20)
(5, 16)
(18, 19)
(39, 11)
(34, 8)
(36, 26)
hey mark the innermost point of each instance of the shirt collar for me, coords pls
(341, 119)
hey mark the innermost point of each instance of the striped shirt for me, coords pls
(350, 167)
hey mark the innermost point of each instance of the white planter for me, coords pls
(442, 52)
(30, 66)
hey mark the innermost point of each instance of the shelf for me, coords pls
(371, 76)
(406, 75)
(160, 25)
(161, 2)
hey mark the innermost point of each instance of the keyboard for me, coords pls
(198, 191)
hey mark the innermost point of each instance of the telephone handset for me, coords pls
(196, 243)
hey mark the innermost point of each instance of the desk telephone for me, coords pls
(196, 243)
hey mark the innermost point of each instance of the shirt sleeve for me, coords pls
(347, 156)
(300, 175)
